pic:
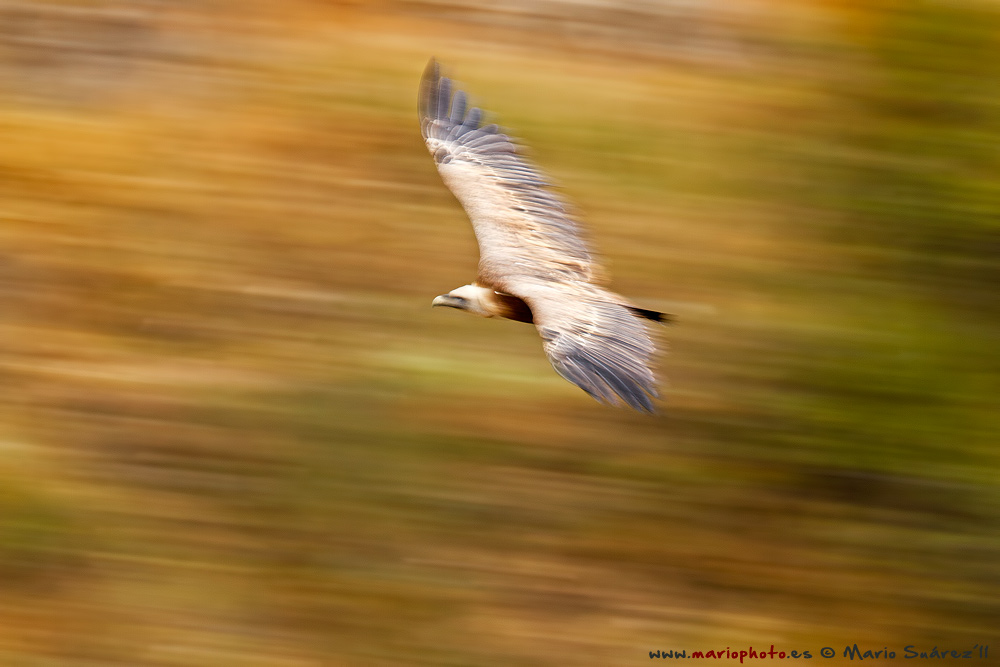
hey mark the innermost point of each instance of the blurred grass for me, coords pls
(237, 433)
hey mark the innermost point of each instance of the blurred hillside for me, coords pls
(236, 433)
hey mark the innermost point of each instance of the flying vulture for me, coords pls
(534, 266)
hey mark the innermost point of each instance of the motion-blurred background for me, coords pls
(235, 433)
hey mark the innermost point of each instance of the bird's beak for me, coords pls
(443, 300)
(450, 301)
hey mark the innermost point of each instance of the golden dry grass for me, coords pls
(238, 435)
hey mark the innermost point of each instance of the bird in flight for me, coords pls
(534, 266)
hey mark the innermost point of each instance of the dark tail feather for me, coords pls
(651, 315)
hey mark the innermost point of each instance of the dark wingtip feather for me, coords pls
(458, 105)
(443, 107)
(432, 71)
(427, 99)
(428, 83)
(443, 94)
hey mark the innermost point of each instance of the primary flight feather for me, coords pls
(533, 264)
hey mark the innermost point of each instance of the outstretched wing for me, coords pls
(593, 341)
(521, 226)
(530, 247)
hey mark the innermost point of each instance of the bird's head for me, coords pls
(472, 298)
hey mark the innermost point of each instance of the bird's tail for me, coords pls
(654, 315)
